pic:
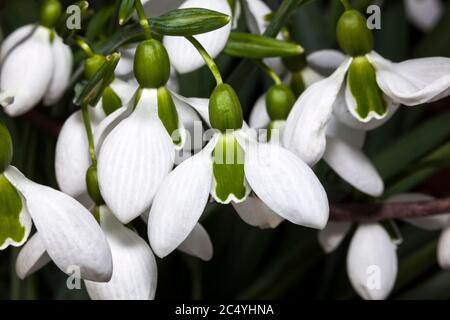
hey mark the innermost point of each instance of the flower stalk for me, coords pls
(143, 19)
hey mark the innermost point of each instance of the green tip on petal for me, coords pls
(110, 101)
(6, 148)
(168, 114)
(363, 85)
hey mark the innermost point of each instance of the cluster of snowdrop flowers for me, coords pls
(35, 64)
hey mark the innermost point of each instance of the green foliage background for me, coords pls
(412, 152)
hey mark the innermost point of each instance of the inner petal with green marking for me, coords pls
(361, 80)
(167, 112)
(110, 100)
(12, 230)
(228, 169)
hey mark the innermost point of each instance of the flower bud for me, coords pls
(295, 63)
(110, 101)
(151, 64)
(92, 65)
(50, 12)
(92, 186)
(225, 110)
(6, 148)
(353, 35)
(279, 102)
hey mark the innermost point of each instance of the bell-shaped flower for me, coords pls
(231, 165)
(67, 231)
(363, 92)
(72, 148)
(36, 65)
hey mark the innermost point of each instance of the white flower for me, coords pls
(283, 182)
(34, 67)
(424, 14)
(67, 231)
(410, 83)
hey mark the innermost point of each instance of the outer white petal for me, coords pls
(413, 82)
(306, 125)
(27, 71)
(285, 183)
(372, 262)
(255, 213)
(135, 272)
(345, 102)
(325, 62)
(428, 223)
(331, 237)
(62, 69)
(198, 244)
(19, 35)
(6, 98)
(180, 202)
(68, 231)
(353, 166)
(443, 249)
(183, 56)
(155, 8)
(350, 135)
(259, 118)
(134, 159)
(425, 14)
(32, 257)
(310, 76)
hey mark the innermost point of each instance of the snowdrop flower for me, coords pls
(35, 65)
(69, 233)
(424, 14)
(228, 167)
(374, 89)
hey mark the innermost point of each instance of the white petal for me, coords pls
(135, 272)
(62, 69)
(27, 71)
(259, 118)
(134, 159)
(32, 257)
(350, 135)
(125, 66)
(256, 14)
(331, 237)
(180, 202)
(255, 213)
(425, 14)
(372, 262)
(183, 56)
(200, 105)
(325, 61)
(310, 76)
(285, 183)
(198, 244)
(15, 38)
(192, 123)
(415, 81)
(155, 8)
(6, 98)
(341, 111)
(428, 223)
(353, 166)
(68, 231)
(443, 249)
(306, 125)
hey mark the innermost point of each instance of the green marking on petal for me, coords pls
(228, 170)
(167, 112)
(110, 101)
(10, 210)
(363, 85)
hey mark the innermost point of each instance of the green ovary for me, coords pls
(363, 85)
(10, 209)
(228, 169)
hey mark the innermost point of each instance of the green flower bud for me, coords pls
(110, 101)
(225, 110)
(167, 113)
(279, 102)
(295, 63)
(353, 35)
(50, 13)
(6, 148)
(92, 65)
(151, 64)
(297, 84)
(92, 186)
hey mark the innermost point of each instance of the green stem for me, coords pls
(284, 12)
(208, 60)
(143, 19)
(84, 46)
(269, 71)
(346, 5)
(90, 135)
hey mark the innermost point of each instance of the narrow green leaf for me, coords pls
(253, 46)
(99, 23)
(126, 11)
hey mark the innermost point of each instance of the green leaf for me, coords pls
(253, 46)
(94, 88)
(98, 23)
(126, 11)
(188, 22)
